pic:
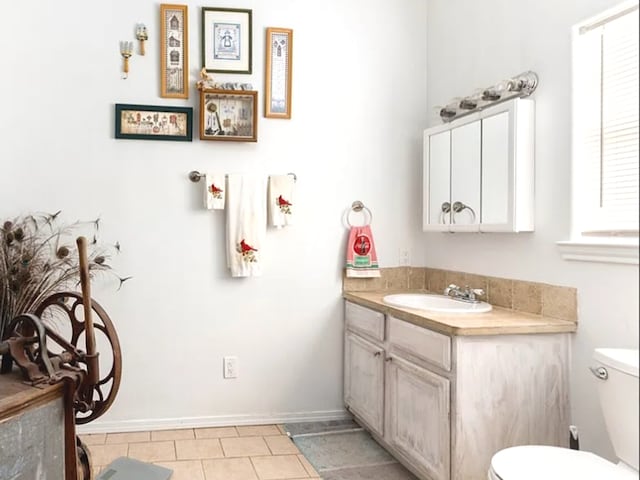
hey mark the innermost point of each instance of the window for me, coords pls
(605, 127)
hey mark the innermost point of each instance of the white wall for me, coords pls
(476, 44)
(359, 106)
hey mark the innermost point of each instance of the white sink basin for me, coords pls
(434, 303)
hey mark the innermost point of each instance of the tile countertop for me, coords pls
(499, 321)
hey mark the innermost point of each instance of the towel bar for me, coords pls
(195, 176)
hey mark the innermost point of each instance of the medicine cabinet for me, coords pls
(478, 171)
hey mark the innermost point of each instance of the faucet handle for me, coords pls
(478, 291)
(451, 288)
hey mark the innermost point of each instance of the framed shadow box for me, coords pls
(229, 115)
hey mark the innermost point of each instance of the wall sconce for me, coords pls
(521, 85)
(141, 35)
(126, 50)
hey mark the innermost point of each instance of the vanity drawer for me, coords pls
(420, 343)
(364, 320)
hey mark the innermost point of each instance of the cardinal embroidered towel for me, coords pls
(362, 260)
(246, 224)
(214, 187)
(281, 201)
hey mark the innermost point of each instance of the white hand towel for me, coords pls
(246, 224)
(281, 200)
(214, 191)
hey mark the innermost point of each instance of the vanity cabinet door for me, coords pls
(417, 417)
(364, 380)
(465, 177)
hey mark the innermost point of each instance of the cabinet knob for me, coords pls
(388, 359)
(377, 354)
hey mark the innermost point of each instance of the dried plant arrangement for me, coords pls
(38, 257)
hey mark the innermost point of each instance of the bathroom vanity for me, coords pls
(444, 392)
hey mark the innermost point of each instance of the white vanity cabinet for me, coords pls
(444, 404)
(478, 171)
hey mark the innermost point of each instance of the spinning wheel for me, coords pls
(62, 314)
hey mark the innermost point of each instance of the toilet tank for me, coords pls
(619, 399)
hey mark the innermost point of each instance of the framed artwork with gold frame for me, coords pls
(174, 51)
(277, 96)
(229, 115)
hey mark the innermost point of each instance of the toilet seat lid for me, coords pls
(535, 462)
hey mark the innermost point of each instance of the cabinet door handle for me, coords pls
(458, 207)
(388, 359)
(377, 354)
(444, 209)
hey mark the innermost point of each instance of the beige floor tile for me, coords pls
(130, 437)
(94, 438)
(229, 469)
(102, 455)
(185, 470)
(198, 449)
(278, 467)
(244, 446)
(282, 429)
(308, 467)
(216, 432)
(153, 451)
(184, 434)
(281, 445)
(252, 431)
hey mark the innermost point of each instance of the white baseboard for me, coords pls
(146, 425)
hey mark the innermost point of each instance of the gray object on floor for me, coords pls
(339, 450)
(392, 471)
(342, 450)
(124, 468)
(303, 428)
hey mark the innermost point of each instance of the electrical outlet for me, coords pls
(230, 367)
(403, 257)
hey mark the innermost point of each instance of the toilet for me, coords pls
(617, 376)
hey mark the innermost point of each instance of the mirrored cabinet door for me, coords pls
(496, 169)
(465, 175)
(438, 179)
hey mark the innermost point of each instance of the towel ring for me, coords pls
(195, 176)
(358, 207)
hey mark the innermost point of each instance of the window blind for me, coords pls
(606, 123)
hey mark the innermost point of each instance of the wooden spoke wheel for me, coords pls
(60, 308)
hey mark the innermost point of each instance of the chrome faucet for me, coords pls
(465, 294)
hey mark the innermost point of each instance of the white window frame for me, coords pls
(591, 242)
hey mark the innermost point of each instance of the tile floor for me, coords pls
(223, 453)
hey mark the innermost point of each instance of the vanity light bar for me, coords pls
(521, 85)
